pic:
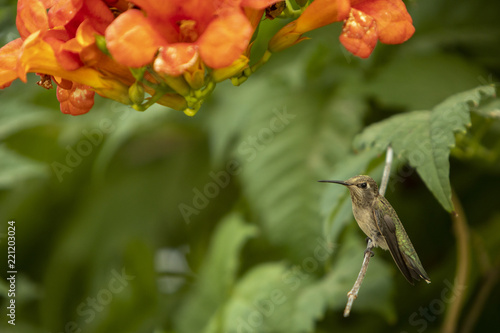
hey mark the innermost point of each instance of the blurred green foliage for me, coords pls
(157, 222)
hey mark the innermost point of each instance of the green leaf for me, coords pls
(489, 109)
(217, 274)
(424, 138)
(331, 291)
(284, 142)
(273, 297)
(15, 169)
(135, 296)
(265, 301)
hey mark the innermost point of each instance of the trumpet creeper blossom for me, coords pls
(174, 34)
(373, 20)
(58, 42)
(365, 23)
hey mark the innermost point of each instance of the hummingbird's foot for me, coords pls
(369, 249)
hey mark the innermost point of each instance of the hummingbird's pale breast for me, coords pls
(366, 222)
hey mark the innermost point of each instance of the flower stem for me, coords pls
(289, 12)
(461, 231)
(237, 80)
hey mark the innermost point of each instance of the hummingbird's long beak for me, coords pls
(335, 182)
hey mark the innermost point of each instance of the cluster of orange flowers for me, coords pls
(174, 52)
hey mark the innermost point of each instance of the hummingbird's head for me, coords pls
(363, 188)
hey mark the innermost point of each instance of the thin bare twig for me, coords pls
(353, 293)
(461, 231)
(387, 171)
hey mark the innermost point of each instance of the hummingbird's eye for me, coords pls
(362, 185)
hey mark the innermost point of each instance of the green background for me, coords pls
(216, 223)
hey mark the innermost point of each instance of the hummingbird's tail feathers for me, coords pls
(388, 231)
(399, 258)
(411, 271)
(417, 268)
(406, 260)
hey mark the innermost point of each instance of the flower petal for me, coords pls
(157, 8)
(131, 39)
(65, 54)
(285, 37)
(77, 100)
(63, 11)
(394, 24)
(225, 39)
(258, 4)
(37, 56)
(254, 16)
(321, 13)
(31, 17)
(70, 14)
(97, 13)
(171, 11)
(359, 35)
(176, 58)
(8, 62)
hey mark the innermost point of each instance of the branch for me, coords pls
(485, 290)
(461, 231)
(353, 293)
(387, 171)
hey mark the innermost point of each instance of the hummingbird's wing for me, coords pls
(409, 265)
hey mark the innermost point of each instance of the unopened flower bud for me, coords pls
(177, 83)
(286, 37)
(235, 68)
(195, 75)
(136, 93)
(173, 101)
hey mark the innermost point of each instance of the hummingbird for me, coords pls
(379, 221)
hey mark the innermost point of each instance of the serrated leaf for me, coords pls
(489, 109)
(217, 274)
(424, 138)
